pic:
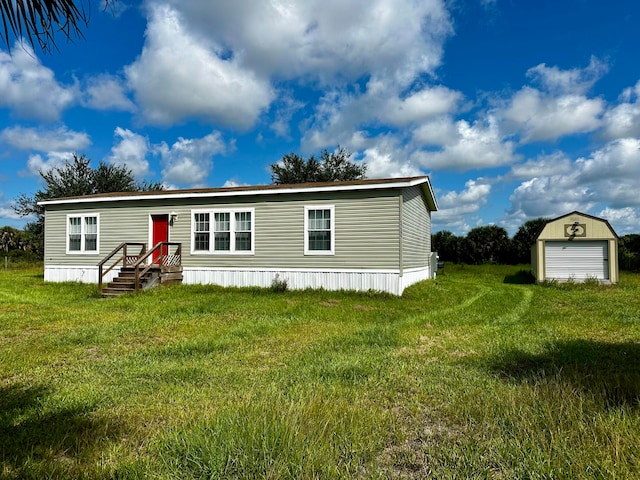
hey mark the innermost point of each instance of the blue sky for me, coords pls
(514, 109)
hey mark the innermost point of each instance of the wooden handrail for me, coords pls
(162, 259)
(124, 258)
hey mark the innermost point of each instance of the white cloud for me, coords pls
(559, 108)
(550, 196)
(340, 112)
(233, 182)
(189, 161)
(131, 152)
(554, 164)
(623, 120)
(456, 207)
(439, 132)
(180, 76)
(474, 147)
(618, 161)
(422, 105)
(30, 89)
(7, 212)
(287, 105)
(573, 81)
(383, 162)
(59, 139)
(625, 219)
(328, 45)
(36, 164)
(107, 92)
(607, 178)
(537, 116)
(326, 40)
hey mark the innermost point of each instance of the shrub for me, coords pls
(279, 285)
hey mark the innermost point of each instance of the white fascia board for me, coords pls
(241, 193)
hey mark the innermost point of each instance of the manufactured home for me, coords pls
(372, 234)
(576, 247)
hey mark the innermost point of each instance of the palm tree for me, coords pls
(39, 20)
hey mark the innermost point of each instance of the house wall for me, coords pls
(366, 231)
(416, 237)
(416, 229)
(367, 239)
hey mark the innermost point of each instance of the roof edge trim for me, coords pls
(235, 192)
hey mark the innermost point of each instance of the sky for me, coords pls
(515, 109)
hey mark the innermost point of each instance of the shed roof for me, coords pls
(575, 212)
(367, 184)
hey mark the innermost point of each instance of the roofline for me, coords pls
(369, 184)
(575, 212)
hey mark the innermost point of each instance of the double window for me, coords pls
(223, 231)
(319, 230)
(82, 233)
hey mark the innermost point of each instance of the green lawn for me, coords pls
(475, 375)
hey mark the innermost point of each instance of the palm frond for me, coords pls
(40, 21)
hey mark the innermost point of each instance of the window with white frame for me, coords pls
(82, 233)
(319, 231)
(223, 231)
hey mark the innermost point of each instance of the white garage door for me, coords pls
(578, 260)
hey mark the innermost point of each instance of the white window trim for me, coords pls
(83, 250)
(232, 226)
(332, 209)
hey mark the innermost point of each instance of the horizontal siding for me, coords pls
(366, 230)
(595, 229)
(416, 229)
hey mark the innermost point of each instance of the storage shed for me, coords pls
(576, 247)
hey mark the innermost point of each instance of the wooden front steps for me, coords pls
(125, 282)
(141, 269)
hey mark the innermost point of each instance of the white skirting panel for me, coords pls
(360, 280)
(53, 273)
(414, 275)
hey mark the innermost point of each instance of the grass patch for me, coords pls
(478, 374)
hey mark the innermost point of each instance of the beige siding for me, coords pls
(416, 229)
(366, 230)
(594, 228)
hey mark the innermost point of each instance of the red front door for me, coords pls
(159, 233)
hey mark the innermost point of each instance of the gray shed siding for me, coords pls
(366, 230)
(416, 229)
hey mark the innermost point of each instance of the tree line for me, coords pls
(77, 178)
(492, 244)
(486, 244)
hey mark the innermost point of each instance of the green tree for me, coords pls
(8, 238)
(447, 245)
(525, 237)
(332, 167)
(40, 20)
(75, 178)
(629, 252)
(488, 244)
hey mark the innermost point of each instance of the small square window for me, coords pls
(82, 234)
